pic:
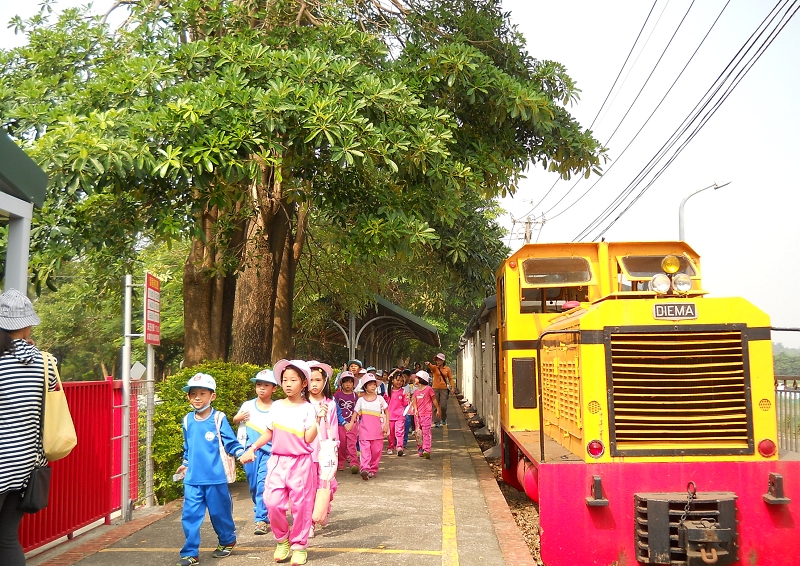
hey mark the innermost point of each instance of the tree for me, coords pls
(230, 121)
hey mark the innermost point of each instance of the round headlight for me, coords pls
(660, 283)
(681, 283)
(671, 264)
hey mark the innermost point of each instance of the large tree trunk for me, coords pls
(282, 339)
(255, 293)
(207, 301)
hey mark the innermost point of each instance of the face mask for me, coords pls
(203, 408)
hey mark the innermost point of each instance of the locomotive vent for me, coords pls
(678, 391)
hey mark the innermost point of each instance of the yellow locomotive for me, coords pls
(637, 411)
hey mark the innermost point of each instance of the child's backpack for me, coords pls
(228, 461)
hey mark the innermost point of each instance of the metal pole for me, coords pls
(683, 203)
(151, 363)
(352, 338)
(126, 403)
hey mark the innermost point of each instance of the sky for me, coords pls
(747, 233)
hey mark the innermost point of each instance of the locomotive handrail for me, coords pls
(779, 329)
(539, 382)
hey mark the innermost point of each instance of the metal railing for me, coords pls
(787, 411)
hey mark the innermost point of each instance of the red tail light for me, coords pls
(767, 448)
(596, 449)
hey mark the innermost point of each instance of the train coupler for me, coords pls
(705, 543)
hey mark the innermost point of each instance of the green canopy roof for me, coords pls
(19, 174)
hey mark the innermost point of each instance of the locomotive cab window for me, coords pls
(549, 282)
(643, 267)
(556, 270)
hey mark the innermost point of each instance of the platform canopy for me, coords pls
(20, 177)
(370, 336)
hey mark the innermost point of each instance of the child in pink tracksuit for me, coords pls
(291, 480)
(423, 402)
(371, 407)
(398, 401)
(346, 399)
(319, 393)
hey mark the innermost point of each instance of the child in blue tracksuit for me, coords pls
(252, 421)
(205, 485)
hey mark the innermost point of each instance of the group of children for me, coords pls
(287, 447)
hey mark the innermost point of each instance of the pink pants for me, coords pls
(371, 454)
(425, 422)
(397, 430)
(348, 442)
(291, 481)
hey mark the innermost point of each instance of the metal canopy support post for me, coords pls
(352, 341)
(20, 213)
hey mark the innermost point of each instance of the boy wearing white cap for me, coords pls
(252, 421)
(205, 485)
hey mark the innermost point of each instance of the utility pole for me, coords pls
(528, 230)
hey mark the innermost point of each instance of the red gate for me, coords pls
(80, 492)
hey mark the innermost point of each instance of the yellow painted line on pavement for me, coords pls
(449, 542)
(309, 549)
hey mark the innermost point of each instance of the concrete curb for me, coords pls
(513, 547)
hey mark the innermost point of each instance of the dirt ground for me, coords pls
(523, 509)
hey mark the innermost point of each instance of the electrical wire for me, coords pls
(599, 110)
(672, 140)
(652, 71)
(604, 101)
(639, 131)
(715, 105)
(630, 107)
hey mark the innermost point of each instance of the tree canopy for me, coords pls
(231, 123)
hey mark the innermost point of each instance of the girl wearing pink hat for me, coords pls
(423, 402)
(292, 427)
(371, 407)
(319, 389)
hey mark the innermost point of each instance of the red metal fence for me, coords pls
(83, 488)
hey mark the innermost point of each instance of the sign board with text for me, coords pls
(152, 310)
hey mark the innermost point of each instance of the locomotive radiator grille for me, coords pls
(679, 393)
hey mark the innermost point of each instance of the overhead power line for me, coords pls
(703, 111)
(599, 110)
(641, 128)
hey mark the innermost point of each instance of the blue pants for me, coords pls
(217, 499)
(257, 476)
(409, 426)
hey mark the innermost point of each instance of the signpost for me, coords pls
(152, 337)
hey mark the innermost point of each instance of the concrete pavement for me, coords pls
(446, 511)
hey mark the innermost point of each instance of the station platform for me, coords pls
(446, 511)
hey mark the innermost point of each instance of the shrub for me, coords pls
(233, 389)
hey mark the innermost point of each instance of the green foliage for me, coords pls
(82, 316)
(786, 364)
(233, 389)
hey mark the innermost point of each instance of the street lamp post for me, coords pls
(683, 203)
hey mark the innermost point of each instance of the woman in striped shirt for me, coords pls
(21, 392)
